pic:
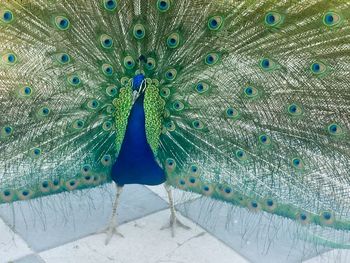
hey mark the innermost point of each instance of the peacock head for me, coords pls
(138, 82)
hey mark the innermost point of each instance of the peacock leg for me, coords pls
(112, 228)
(173, 219)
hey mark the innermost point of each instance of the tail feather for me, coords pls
(255, 94)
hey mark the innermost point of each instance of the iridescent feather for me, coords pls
(246, 101)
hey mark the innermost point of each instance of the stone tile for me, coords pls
(333, 256)
(11, 245)
(30, 259)
(179, 195)
(144, 242)
(55, 220)
(257, 236)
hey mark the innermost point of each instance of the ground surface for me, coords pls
(63, 229)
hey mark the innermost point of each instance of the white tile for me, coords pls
(333, 256)
(12, 246)
(203, 249)
(144, 242)
(258, 237)
(55, 220)
(179, 195)
(34, 258)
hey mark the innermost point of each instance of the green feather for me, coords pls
(246, 101)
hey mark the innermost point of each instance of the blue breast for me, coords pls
(136, 163)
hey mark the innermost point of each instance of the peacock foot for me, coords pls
(110, 231)
(173, 223)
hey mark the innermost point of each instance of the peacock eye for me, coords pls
(251, 92)
(7, 193)
(254, 204)
(215, 22)
(25, 92)
(173, 40)
(264, 140)
(63, 58)
(6, 131)
(110, 109)
(93, 104)
(201, 87)
(107, 126)
(35, 153)
(303, 217)
(197, 124)
(194, 169)
(331, 19)
(273, 19)
(110, 5)
(170, 126)
(62, 22)
(44, 112)
(106, 41)
(207, 189)
(165, 92)
(124, 81)
(150, 64)
(106, 160)
(163, 5)
(267, 64)
(72, 184)
(78, 124)
(228, 190)
(241, 155)
(232, 113)
(318, 68)
(45, 184)
(129, 62)
(107, 70)
(297, 163)
(112, 91)
(170, 74)
(335, 129)
(9, 58)
(74, 80)
(139, 31)
(170, 162)
(270, 202)
(86, 169)
(178, 106)
(326, 215)
(212, 59)
(6, 16)
(295, 110)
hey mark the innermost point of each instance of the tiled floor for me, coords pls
(63, 228)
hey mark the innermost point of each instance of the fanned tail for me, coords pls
(255, 92)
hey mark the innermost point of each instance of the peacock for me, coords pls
(241, 101)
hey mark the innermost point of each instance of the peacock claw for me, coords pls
(110, 231)
(173, 223)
